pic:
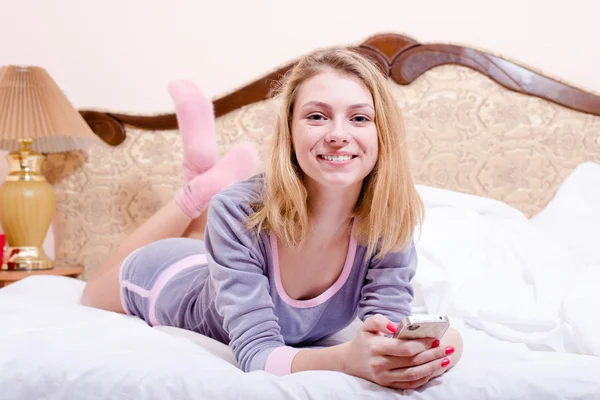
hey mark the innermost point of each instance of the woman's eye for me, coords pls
(361, 118)
(316, 117)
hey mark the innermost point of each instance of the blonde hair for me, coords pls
(388, 208)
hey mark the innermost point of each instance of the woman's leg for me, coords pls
(103, 289)
(195, 115)
(184, 215)
(196, 228)
(161, 282)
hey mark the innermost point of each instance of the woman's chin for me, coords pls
(340, 181)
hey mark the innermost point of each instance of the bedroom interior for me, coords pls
(478, 124)
(505, 154)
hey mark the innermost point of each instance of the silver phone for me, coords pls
(422, 326)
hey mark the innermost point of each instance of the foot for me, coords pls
(195, 117)
(239, 164)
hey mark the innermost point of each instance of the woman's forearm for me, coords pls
(329, 358)
(334, 358)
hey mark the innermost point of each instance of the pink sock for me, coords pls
(239, 164)
(196, 121)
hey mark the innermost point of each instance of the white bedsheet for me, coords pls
(53, 348)
(522, 293)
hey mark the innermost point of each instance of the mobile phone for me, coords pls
(422, 326)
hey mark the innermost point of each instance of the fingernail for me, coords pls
(449, 350)
(391, 327)
(435, 343)
(445, 362)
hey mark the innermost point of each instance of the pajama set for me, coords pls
(228, 287)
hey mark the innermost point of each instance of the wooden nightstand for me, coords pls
(8, 277)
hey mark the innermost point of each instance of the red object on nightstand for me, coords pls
(2, 246)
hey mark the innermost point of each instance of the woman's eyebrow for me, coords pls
(361, 105)
(318, 104)
(328, 107)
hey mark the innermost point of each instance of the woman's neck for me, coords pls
(330, 210)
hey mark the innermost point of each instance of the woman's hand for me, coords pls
(395, 363)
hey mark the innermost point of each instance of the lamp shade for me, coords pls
(32, 106)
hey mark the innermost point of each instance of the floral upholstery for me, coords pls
(466, 133)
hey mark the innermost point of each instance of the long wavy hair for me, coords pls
(388, 208)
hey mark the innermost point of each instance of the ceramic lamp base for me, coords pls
(26, 258)
(26, 207)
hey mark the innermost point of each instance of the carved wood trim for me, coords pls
(106, 127)
(409, 65)
(256, 91)
(401, 58)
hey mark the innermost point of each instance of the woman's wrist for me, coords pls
(330, 359)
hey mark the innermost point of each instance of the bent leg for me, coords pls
(240, 163)
(162, 280)
(102, 289)
(171, 221)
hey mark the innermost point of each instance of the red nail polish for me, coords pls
(391, 327)
(435, 343)
(449, 350)
(445, 362)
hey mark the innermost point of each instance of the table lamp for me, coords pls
(35, 118)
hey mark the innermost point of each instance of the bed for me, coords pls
(506, 160)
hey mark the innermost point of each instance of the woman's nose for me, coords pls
(337, 135)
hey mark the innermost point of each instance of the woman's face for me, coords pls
(333, 130)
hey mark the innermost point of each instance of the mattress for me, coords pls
(521, 292)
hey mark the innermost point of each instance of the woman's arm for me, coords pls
(395, 363)
(387, 289)
(333, 358)
(242, 298)
(328, 358)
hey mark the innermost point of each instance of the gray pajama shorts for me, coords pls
(161, 281)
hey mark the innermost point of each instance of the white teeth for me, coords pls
(337, 158)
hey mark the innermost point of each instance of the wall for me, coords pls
(120, 55)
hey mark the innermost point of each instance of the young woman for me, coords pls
(276, 262)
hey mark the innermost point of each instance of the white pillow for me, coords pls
(482, 260)
(443, 198)
(572, 218)
(439, 204)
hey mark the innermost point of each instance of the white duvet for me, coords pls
(526, 281)
(520, 291)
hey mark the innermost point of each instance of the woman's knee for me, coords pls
(103, 291)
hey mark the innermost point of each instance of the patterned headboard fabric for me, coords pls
(468, 131)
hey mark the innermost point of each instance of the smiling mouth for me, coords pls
(341, 158)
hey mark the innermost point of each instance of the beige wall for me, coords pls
(120, 54)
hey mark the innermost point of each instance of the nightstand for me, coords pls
(8, 277)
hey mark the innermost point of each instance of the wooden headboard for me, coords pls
(476, 123)
(401, 58)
